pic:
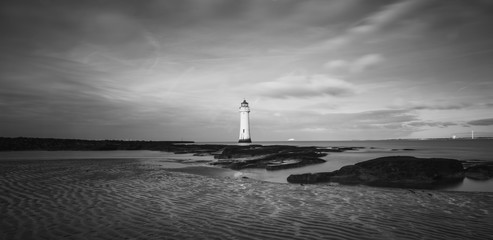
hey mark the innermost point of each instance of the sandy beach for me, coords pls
(139, 199)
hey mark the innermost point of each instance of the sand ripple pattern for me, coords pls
(131, 199)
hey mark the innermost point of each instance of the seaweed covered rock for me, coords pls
(480, 172)
(273, 157)
(395, 171)
(310, 177)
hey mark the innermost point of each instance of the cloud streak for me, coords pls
(358, 65)
(306, 87)
(482, 122)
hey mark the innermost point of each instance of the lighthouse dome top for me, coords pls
(244, 103)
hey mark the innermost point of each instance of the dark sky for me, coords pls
(310, 69)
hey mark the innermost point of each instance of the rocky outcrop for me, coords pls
(395, 171)
(311, 178)
(272, 157)
(340, 149)
(292, 164)
(480, 172)
(269, 157)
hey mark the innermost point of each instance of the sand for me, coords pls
(138, 199)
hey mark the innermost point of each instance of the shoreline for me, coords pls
(252, 158)
(277, 158)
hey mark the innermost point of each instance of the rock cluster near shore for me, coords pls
(387, 171)
(481, 171)
(268, 157)
(395, 171)
(229, 156)
(273, 157)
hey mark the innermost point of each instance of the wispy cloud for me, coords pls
(389, 16)
(435, 105)
(357, 65)
(299, 86)
(358, 120)
(482, 122)
(431, 124)
(386, 18)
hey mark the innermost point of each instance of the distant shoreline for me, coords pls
(58, 144)
(61, 144)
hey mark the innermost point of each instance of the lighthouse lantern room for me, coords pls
(244, 123)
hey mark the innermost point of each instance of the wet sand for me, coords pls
(139, 199)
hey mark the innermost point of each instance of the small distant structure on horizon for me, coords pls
(244, 123)
(472, 135)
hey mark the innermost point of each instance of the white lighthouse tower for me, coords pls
(244, 123)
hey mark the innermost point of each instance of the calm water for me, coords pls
(456, 149)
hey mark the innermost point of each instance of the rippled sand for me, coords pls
(124, 198)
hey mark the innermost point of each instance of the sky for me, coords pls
(310, 69)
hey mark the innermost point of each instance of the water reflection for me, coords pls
(470, 185)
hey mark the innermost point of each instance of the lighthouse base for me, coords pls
(245, 140)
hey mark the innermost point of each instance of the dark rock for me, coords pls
(480, 172)
(472, 162)
(404, 149)
(300, 163)
(268, 157)
(395, 171)
(406, 169)
(350, 174)
(310, 177)
(340, 149)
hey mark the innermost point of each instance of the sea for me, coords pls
(461, 149)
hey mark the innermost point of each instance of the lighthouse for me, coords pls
(244, 123)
